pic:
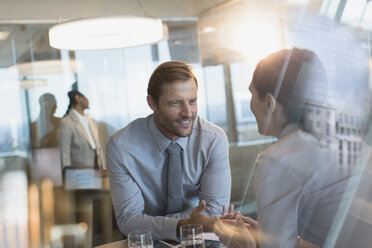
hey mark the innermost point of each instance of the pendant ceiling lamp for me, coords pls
(107, 33)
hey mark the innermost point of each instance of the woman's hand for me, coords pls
(230, 218)
(234, 236)
(249, 223)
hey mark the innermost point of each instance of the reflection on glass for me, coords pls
(140, 239)
(44, 129)
(235, 34)
(192, 236)
(14, 130)
(14, 209)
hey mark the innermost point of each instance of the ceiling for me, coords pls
(52, 10)
(28, 21)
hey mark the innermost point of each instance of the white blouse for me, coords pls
(299, 186)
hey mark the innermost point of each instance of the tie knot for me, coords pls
(174, 148)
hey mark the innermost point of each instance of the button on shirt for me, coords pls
(137, 164)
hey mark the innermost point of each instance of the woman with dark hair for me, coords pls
(298, 182)
(78, 137)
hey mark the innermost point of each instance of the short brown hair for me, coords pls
(281, 72)
(168, 72)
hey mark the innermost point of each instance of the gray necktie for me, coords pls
(175, 190)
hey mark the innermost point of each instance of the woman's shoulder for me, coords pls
(298, 147)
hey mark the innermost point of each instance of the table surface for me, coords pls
(117, 244)
(124, 243)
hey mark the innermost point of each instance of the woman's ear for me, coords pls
(270, 104)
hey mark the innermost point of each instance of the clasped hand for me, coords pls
(233, 229)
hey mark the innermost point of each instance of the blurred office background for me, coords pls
(222, 40)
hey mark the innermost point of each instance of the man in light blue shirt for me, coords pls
(138, 161)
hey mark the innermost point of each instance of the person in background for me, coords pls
(298, 182)
(78, 136)
(44, 129)
(172, 167)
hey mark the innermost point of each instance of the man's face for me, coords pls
(176, 109)
(83, 101)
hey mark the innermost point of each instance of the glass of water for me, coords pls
(140, 239)
(192, 236)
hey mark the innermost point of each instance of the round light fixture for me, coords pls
(107, 33)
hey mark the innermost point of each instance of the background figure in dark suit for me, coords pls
(78, 136)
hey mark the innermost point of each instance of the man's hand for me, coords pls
(228, 214)
(234, 236)
(249, 223)
(197, 216)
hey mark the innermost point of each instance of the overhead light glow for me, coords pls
(48, 67)
(107, 33)
(32, 83)
(4, 35)
(296, 2)
(209, 29)
(255, 44)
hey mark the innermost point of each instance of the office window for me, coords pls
(310, 125)
(346, 118)
(340, 158)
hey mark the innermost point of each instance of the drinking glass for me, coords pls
(192, 236)
(140, 239)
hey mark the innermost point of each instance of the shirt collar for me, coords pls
(289, 128)
(162, 141)
(77, 114)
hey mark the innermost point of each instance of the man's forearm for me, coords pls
(161, 227)
(181, 215)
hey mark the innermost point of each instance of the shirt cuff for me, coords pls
(171, 228)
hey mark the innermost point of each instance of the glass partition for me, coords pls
(223, 41)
